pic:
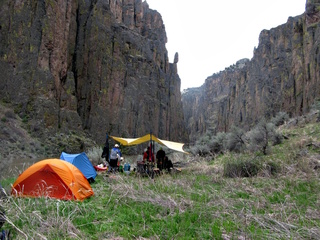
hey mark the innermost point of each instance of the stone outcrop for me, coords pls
(95, 65)
(283, 75)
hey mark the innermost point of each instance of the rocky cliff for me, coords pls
(94, 66)
(283, 75)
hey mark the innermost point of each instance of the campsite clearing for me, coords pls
(198, 203)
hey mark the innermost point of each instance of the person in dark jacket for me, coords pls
(105, 152)
(160, 158)
(167, 164)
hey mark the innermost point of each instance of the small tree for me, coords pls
(236, 139)
(261, 135)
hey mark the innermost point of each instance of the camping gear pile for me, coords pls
(148, 167)
(100, 167)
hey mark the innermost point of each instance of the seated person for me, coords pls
(167, 164)
(160, 158)
(147, 157)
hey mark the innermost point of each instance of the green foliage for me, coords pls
(184, 206)
(25, 119)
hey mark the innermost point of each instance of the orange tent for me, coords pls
(52, 178)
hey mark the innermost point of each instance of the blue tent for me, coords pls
(82, 162)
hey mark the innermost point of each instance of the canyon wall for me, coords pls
(94, 66)
(283, 75)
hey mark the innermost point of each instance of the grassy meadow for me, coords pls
(282, 201)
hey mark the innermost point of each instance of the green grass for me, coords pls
(198, 203)
(131, 207)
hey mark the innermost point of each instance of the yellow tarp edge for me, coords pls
(135, 141)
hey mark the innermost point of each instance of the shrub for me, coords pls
(277, 138)
(236, 139)
(272, 167)
(261, 135)
(202, 145)
(94, 154)
(209, 144)
(218, 143)
(280, 119)
(200, 149)
(241, 168)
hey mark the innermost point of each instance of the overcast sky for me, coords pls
(210, 35)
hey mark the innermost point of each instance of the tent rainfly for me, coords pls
(52, 178)
(134, 141)
(82, 162)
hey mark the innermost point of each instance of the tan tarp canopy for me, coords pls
(134, 141)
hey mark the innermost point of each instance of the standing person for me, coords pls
(160, 158)
(115, 155)
(105, 151)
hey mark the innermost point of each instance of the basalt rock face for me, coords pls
(94, 65)
(283, 75)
